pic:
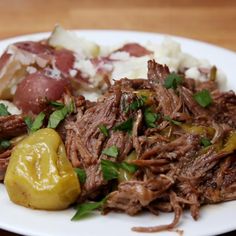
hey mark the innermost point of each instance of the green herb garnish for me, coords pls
(29, 122)
(172, 81)
(205, 142)
(112, 151)
(71, 107)
(150, 117)
(81, 174)
(3, 110)
(4, 144)
(203, 98)
(56, 104)
(57, 116)
(34, 125)
(86, 208)
(38, 122)
(175, 122)
(110, 169)
(126, 126)
(104, 130)
(128, 167)
(138, 103)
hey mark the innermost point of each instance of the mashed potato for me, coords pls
(11, 107)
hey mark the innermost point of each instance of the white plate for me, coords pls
(214, 219)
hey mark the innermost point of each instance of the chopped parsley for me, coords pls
(175, 122)
(104, 130)
(138, 103)
(29, 122)
(34, 125)
(150, 118)
(38, 122)
(81, 174)
(126, 126)
(112, 151)
(111, 169)
(3, 110)
(86, 208)
(71, 107)
(203, 98)
(131, 168)
(4, 144)
(56, 104)
(172, 81)
(205, 142)
(57, 116)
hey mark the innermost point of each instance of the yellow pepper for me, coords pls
(146, 93)
(39, 175)
(201, 130)
(230, 145)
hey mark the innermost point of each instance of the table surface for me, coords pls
(206, 20)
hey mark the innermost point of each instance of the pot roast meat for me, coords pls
(168, 100)
(225, 108)
(86, 130)
(84, 140)
(132, 196)
(12, 126)
(173, 150)
(219, 184)
(178, 212)
(191, 104)
(94, 182)
(157, 73)
(176, 170)
(122, 141)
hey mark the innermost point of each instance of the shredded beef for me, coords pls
(183, 153)
(12, 126)
(175, 171)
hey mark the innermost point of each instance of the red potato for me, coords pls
(16, 59)
(33, 92)
(35, 48)
(64, 60)
(3, 59)
(135, 50)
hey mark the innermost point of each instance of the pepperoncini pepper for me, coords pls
(230, 145)
(198, 129)
(39, 175)
(146, 93)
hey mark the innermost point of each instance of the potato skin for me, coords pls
(35, 90)
(39, 175)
